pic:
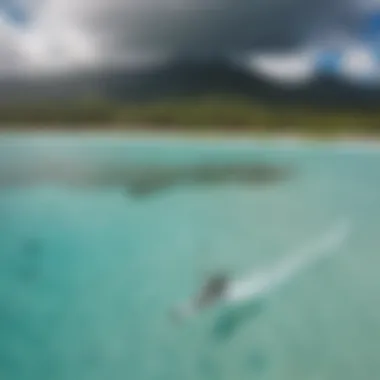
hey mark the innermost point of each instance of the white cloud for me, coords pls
(11, 55)
(288, 68)
(360, 63)
(355, 62)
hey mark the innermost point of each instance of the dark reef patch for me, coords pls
(152, 180)
(138, 180)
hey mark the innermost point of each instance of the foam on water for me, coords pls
(260, 283)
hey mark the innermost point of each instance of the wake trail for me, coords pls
(260, 283)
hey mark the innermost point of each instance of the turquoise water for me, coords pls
(89, 274)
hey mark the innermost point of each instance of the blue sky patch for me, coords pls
(16, 15)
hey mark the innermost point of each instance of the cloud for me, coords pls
(350, 54)
(69, 34)
(360, 64)
(355, 63)
(288, 68)
(10, 52)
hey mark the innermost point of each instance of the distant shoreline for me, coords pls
(214, 116)
(209, 133)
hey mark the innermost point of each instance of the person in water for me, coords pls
(212, 291)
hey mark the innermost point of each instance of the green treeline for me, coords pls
(191, 114)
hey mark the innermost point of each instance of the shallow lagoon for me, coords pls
(90, 270)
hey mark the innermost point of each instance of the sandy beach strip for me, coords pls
(177, 135)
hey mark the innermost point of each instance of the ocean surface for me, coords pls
(90, 272)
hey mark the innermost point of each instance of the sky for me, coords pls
(351, 53)
(282, 39)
